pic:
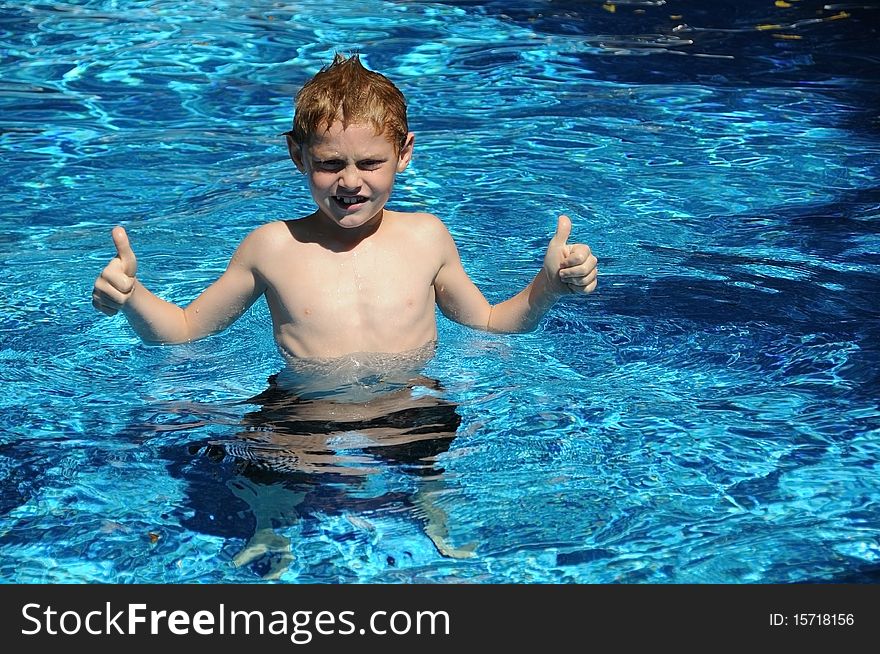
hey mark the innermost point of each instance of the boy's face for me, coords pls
(351, 171)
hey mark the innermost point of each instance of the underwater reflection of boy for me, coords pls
(353, 276)
(290, 439)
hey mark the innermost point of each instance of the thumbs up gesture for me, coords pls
(570, 268)
(115, 285)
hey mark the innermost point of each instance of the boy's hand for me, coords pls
(570, 268)
(116, 283)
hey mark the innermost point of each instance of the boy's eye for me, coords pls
(329, 165)
(335, 165)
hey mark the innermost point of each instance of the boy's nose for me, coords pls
(349, 178)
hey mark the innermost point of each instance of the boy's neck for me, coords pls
(343, 239)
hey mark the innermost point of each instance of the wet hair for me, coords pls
(346, 91)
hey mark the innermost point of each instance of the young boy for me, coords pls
(353, 276)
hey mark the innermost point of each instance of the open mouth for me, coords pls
(349, 201)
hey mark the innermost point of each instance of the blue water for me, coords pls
(709, 415)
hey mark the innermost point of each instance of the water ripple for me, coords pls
(706, 416)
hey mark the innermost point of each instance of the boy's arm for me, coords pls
(567, 269)
(158, 321)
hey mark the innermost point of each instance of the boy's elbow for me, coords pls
(516, 329)
(158, 340)
(496, 324)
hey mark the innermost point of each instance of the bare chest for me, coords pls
(370, 286)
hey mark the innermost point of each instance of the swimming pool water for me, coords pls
(709, 415)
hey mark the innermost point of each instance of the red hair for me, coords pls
(348, 92)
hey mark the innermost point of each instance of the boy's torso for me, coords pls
(375, 297)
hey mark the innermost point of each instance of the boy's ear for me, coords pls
(295, 153)
(406, 152)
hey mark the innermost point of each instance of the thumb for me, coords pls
(124, 251)
(563, 230)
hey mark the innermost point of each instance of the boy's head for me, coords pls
(347, 92)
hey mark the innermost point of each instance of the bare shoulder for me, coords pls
(422, 226)
(263, 241)
(419, 219)
(276, 232)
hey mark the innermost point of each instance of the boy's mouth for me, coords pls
(349, 201)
